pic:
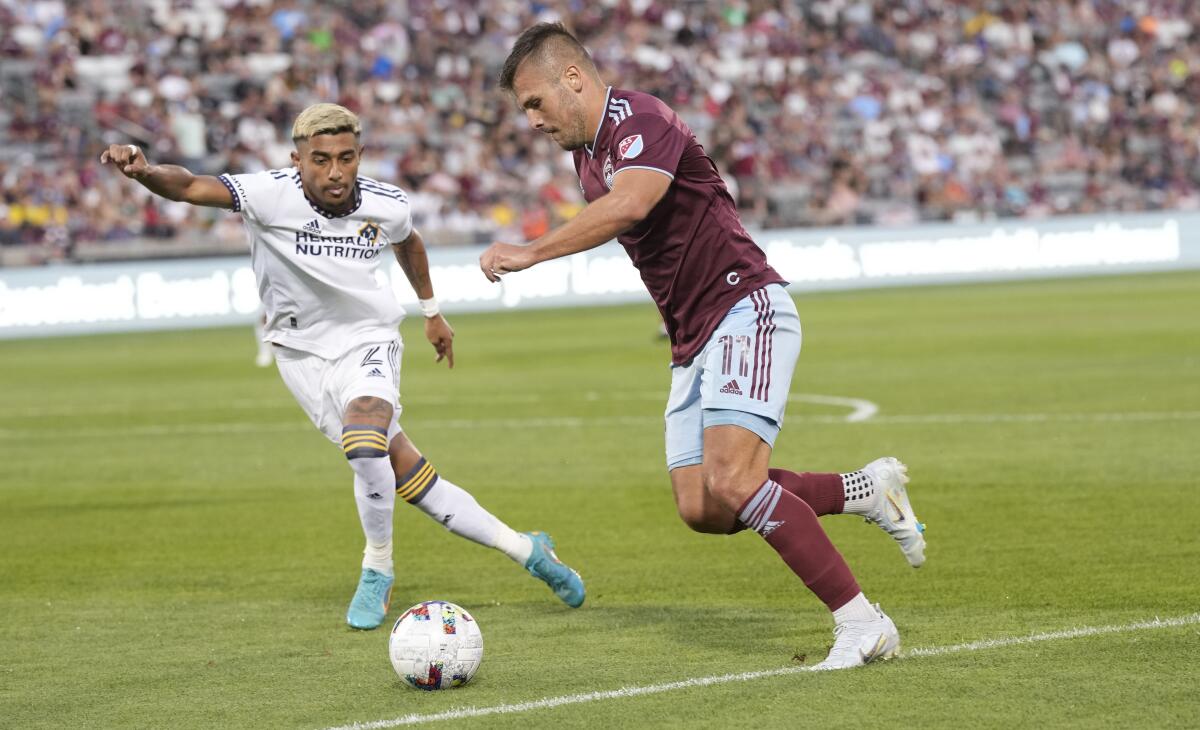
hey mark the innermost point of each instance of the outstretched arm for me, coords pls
(633, 196)
(410, 254)
(169, 181)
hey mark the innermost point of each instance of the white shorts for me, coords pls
(741, 377)
(324, 388)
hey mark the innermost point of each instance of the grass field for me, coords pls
(178, 544)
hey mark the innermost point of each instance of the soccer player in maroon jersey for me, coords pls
(734, 331)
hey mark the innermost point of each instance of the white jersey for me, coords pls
(316, 271)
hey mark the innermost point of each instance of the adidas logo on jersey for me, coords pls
(375, 373)
(732, 388)
(618, 110)
(313, 226)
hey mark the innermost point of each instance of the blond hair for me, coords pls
(325, 119)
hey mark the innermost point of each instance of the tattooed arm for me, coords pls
(411, 256)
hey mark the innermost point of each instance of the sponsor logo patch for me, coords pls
(608, 172)
(630, 147)
(732, 388)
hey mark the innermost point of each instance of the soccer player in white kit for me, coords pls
(317, 232)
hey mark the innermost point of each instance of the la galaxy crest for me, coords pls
(369, 231)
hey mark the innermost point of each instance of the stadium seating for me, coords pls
(822, 113)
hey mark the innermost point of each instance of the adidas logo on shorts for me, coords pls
(375, 373)
(732, 388)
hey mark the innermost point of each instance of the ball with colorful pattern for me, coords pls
(436, 645)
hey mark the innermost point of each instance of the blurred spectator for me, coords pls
(824, 112)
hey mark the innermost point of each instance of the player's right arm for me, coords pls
(169, 181)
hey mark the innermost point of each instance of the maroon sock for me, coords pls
(791, 527)
(823, 492)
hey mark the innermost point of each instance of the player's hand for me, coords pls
(502, 258)
(128, 159)
(441, 336)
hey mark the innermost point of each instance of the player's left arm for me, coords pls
(410, 254)
(634, 194)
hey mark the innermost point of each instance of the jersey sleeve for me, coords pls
(255, 194)
(400, 226)
(649, 142)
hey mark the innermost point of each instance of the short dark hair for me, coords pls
(531, 42)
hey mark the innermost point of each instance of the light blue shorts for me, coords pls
(741, 377)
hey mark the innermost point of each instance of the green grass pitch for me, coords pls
(178, 544)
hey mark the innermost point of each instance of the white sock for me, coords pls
(458, 512)
(378, 557)
(515, 545)
(375, 495)
(856, 609)
(860, 492)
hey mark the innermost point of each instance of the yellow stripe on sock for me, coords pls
(417, 483)
(424, 470)
(363, 442)
(363, 445)
(363, 434)
(418, 489)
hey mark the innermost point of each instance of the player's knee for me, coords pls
(368, 410)
(691, 513)
(361, 441)
(699, 519)
(730, 482)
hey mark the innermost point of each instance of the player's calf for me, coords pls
(366, 448)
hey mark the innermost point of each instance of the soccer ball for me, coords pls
(436, 645)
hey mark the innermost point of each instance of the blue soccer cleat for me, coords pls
(544, 565)
(370, 603)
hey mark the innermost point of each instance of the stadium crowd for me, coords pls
(818, 113)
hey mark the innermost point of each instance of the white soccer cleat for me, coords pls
(892, 510)
(856, 643)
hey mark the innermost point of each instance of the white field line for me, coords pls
(293, 425)
(625, 692)
(860, 409)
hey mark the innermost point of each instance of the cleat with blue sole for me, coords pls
(370, 604)
(544, 565)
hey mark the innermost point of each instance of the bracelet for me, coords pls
(429, 307)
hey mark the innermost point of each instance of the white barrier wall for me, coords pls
(67, 299)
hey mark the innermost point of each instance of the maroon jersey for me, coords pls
(691, 250)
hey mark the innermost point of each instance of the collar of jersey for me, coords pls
(328, 214)
(596, 138)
